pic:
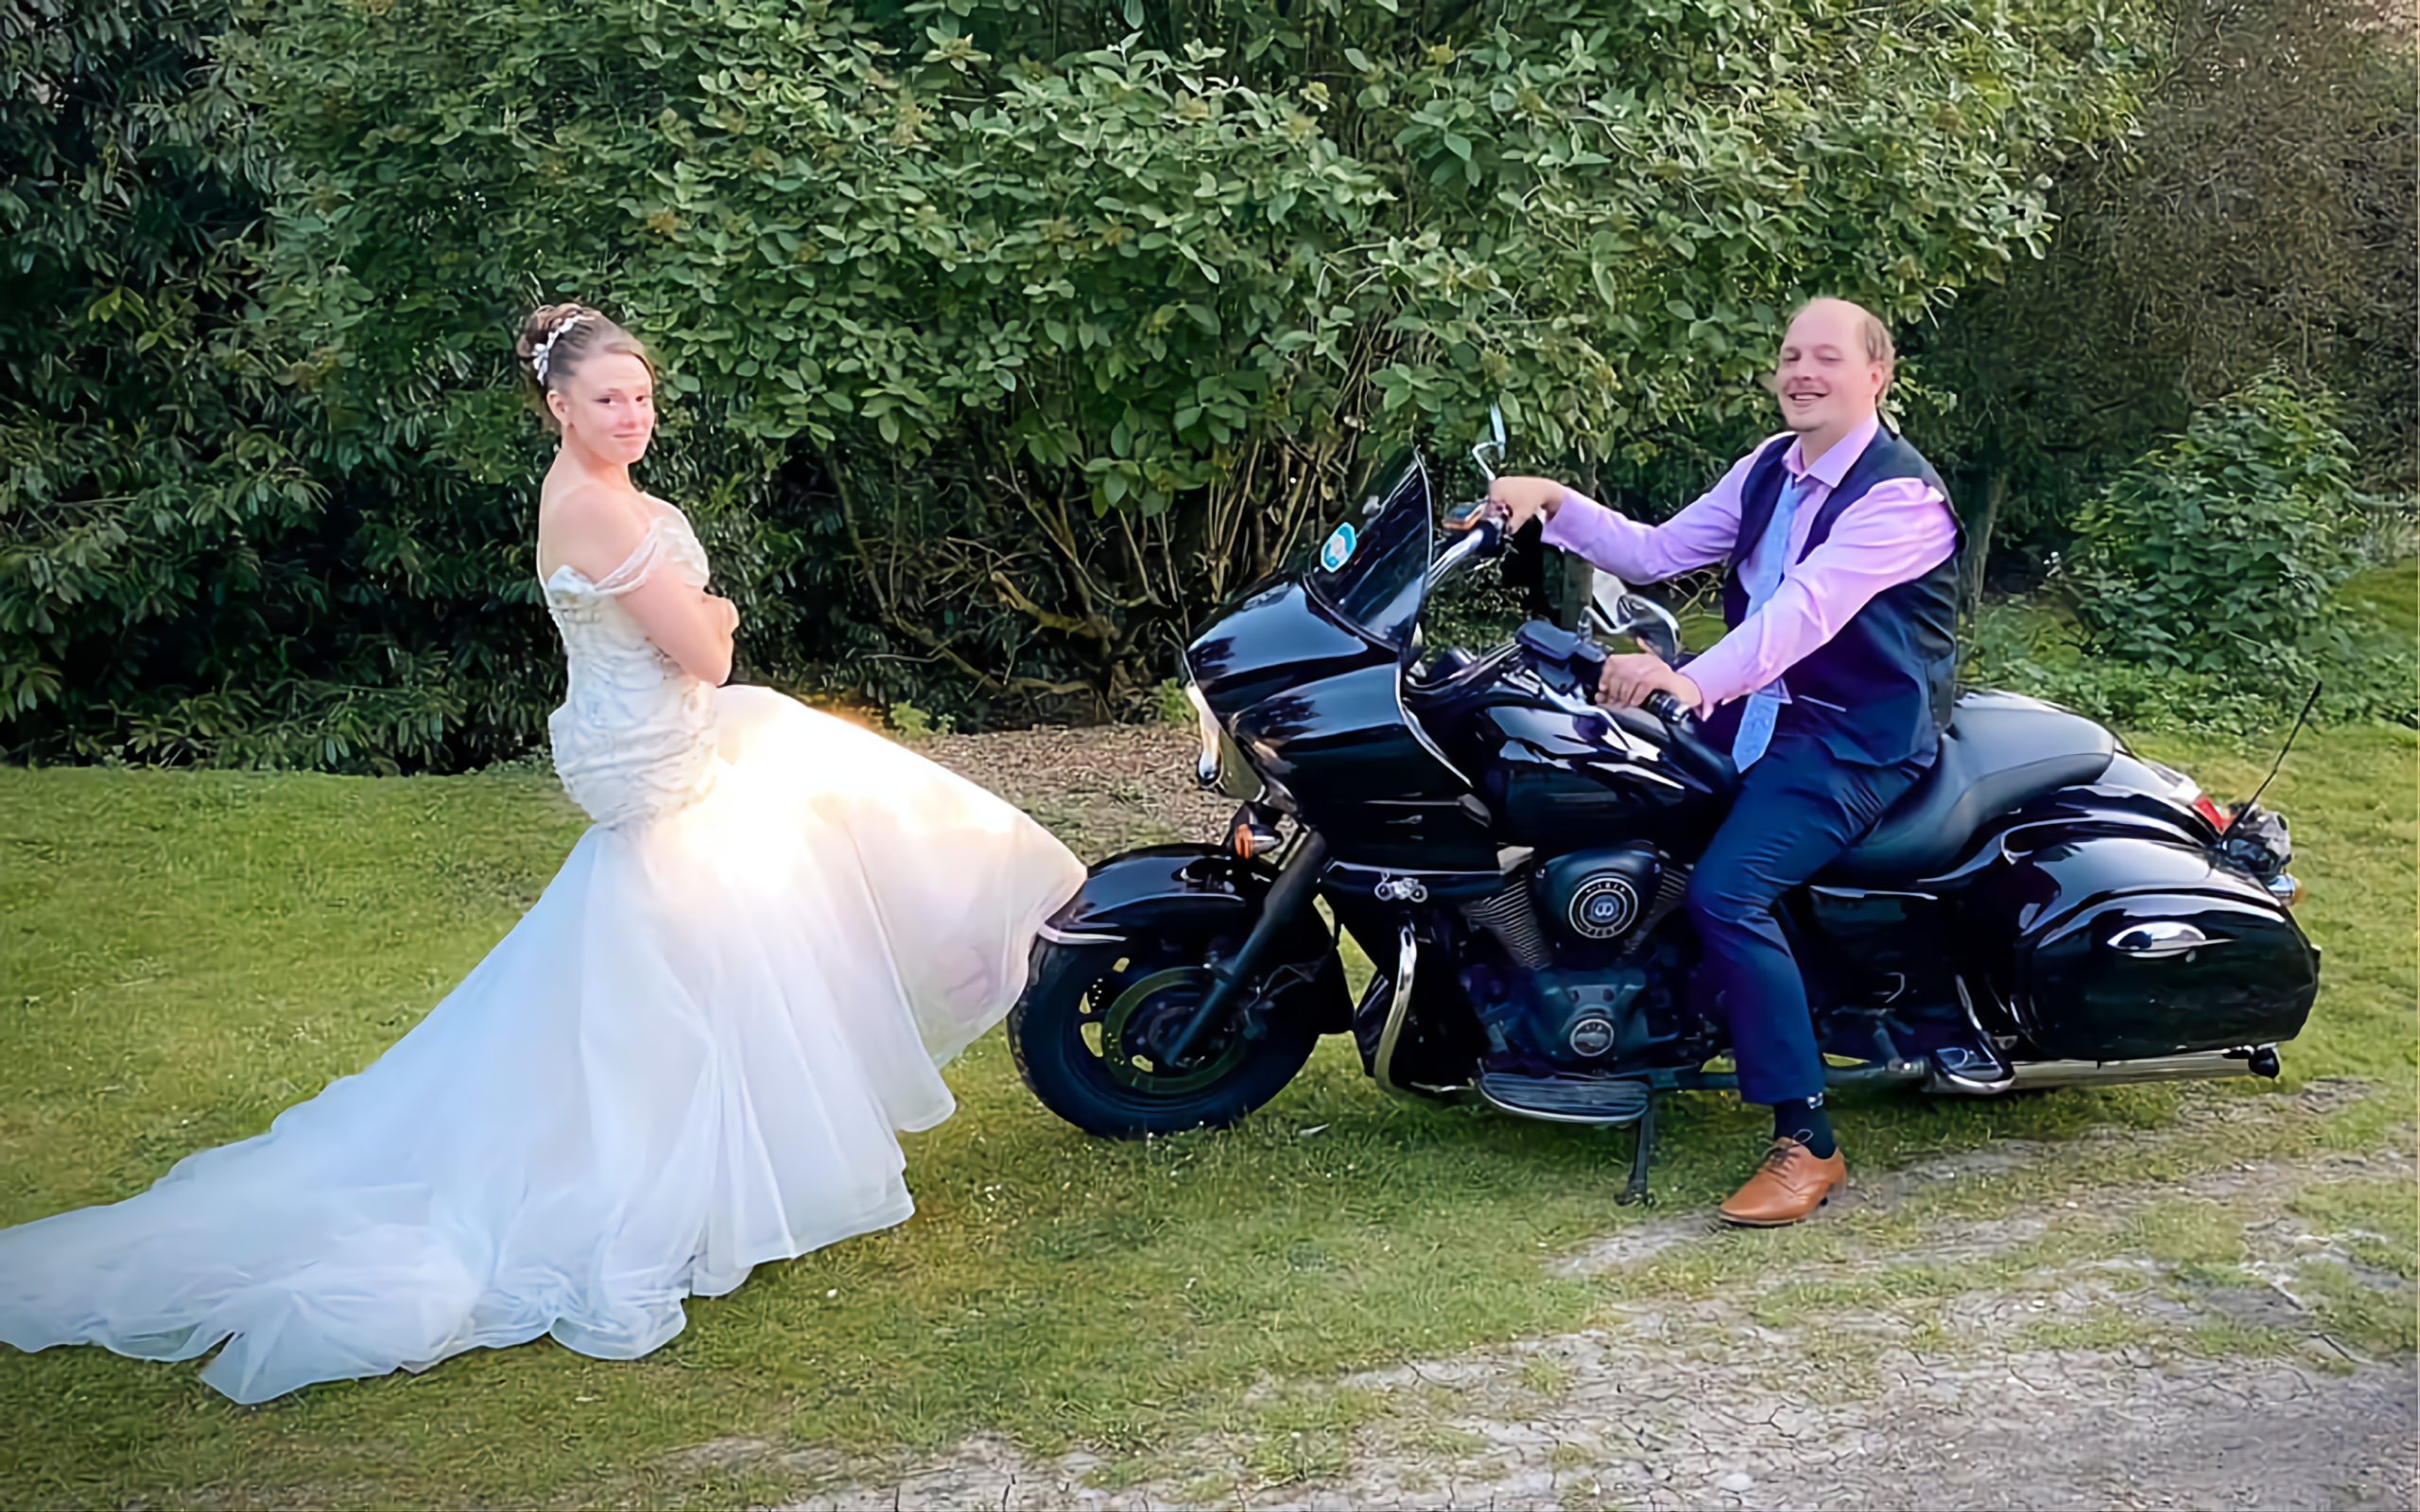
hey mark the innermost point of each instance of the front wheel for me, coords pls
(1087, 1032)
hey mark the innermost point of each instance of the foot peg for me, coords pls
(1583, 1100)
(1976, 1071)
(1566, 1099)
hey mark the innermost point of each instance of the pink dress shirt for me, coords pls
(1900, 530)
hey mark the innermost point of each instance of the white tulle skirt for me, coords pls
(691, 1057)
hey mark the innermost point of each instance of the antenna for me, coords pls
(2300, 720)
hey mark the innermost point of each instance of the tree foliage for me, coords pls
(2262, 215)
(147, 501)
(1005, 338)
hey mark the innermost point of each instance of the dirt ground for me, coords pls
(1102, 789)
(2034, 1353)
(2115, 1380)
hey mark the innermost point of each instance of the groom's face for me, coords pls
(1827, 375)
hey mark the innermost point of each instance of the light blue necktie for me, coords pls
(1761, 575)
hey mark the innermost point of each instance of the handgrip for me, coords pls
(1690, 749)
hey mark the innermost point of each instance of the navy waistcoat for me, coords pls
(1881, 688)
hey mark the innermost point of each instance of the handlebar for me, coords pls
(1692, 751)
(1477, 543)
(1688, 748)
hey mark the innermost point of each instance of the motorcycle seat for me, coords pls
(2001, 753)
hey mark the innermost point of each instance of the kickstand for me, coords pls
(1635, 1192)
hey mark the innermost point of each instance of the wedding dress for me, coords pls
(692, 1056)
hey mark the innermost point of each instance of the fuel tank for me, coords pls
(1558, 780)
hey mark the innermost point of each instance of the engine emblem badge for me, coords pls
(1604, 907)
(1592, 1036)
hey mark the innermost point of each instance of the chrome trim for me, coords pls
(1399, 990)
(2203, 1065)
(2283, 887)
(1631, 746)
(1075, 937)
(1939, 1080)
(2159, 938)
(1494, 444)
(1210, 741)
(1411, 722)
(1450, 561)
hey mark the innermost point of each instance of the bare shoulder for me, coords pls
(591, 529)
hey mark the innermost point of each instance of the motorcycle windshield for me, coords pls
(1372, 570)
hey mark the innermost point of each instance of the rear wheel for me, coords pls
(1090, 1033)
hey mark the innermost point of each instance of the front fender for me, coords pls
(1193, 889)
(1143, 892)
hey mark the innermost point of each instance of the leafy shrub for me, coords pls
(1169, 705)
(1003, 338)
(2217, 551)
(2369, 672)
(157, 536)
(912, 724)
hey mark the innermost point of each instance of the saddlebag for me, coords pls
(2130, 946)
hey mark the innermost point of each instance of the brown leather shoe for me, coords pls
(1792, 1184)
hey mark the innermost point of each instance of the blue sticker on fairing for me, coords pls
(1338, 550)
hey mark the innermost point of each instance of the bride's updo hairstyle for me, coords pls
(557, 339)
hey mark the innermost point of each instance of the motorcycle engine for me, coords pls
(1577, 1002)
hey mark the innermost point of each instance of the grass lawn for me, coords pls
(183, 954)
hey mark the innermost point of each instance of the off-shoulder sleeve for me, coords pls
(633, 571)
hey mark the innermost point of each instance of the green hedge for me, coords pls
(1003, 338)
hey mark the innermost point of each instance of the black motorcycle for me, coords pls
(2044, 908)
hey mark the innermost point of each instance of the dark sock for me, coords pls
(1807, 1123)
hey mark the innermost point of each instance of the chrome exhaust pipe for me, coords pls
(2203, 1065)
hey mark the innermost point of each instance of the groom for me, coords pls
(1839, 552)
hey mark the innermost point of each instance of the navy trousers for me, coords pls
(1799, 808)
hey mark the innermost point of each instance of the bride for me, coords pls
(691, 1057)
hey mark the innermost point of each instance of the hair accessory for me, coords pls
(545, 348)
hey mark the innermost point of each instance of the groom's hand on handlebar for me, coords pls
(1630, 681)
(1516, 502)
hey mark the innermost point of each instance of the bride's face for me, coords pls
(606, 406)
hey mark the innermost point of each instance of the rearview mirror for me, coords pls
(1489, 452)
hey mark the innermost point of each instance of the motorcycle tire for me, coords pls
(1081, 1037)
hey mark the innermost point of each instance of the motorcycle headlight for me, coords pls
(1218, 766)
(1211, 763)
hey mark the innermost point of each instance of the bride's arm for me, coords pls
(693, 628)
